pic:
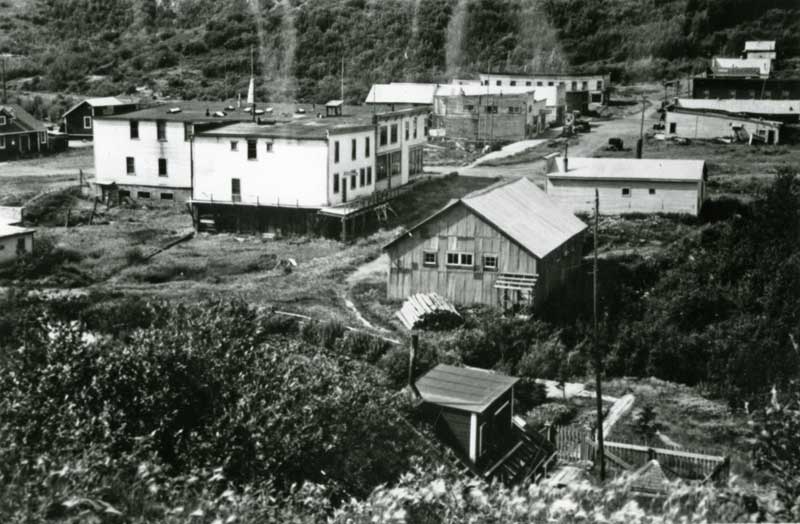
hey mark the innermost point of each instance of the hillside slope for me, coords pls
(201, 48)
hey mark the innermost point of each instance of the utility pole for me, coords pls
(640, 144)
(3, 62)
(598, 361)
(341, 87)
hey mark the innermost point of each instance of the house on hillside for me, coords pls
(760, 49)
(486, 114)
(286, 175)
(148, 154)
(503, 245)
(472, 412)
(627, 185)
(14, 242)
(21, 134)
(699, 123)
(597, 86)
(79, 119)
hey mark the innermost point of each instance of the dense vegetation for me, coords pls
(201, 48)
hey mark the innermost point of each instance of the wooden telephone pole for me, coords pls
(598, 361)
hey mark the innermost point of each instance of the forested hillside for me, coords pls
(201, 48)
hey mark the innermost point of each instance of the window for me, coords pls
(2, 120)
(134, 125)
(673, 126)
(2, 142)
(336, 151)
(234, 145)
(599, 85)
(362, 176)
(21, 245)
(751, 93)
(123, 193)
(336, 183)
(161, 130)
(395, 162)
(626, 192)
(236, 190)
(706, 93)
(167, 196)
(394, 132)
(652, 191)
(585, 85)
(415, 127)
(597, 98)
(528, 83)
(514, 110)
(499, 83)
(252, 149)
(785, 94)
(539, 83)
(269, 147)
(732, 93)
(429, 258)
(130, 166)
(574, 85)
(87, 122)
(353, 149)
(767, 95)
(491, 109)
(188, 131)
(353, 181)
(407, 129)
(490, 262)
(143, 194)
(369, 175)
(42, 138)
(366, 147)
(384, 135)
(415, 156)
(469, 107)
(382, 167)
(162, 167)
(550, 83)
(459, 259)
(512, 83)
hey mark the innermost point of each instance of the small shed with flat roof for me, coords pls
(472, 408)
(14, 242)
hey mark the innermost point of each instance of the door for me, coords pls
(236, 190)
(672, 126)
(771, 137)
(344, 187)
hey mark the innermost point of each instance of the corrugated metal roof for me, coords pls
(10, 231)
(467, 389)
(521, 211)
(759, 45)
(722, 65)
(401, 93)
(622, 169)
(26, 120)
(526, 214)
(750, 106)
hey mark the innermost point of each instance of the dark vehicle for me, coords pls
(614, 144)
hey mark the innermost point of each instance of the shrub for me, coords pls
(323, 334)
(363, 346)
(550, 413)
(134, 256)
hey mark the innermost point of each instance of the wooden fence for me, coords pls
(575, 443)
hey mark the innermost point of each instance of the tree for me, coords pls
(645, 424)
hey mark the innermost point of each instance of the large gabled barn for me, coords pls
(503, 245)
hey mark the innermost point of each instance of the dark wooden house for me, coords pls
(79, 119)
(746, 88)
(472, 412)
(503, 245)
(21, 135)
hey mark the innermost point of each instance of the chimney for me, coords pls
(412, 362)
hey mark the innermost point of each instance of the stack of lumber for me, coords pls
(428, 311)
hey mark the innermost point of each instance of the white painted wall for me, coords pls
(8, 247)
(347, 168)
(403, 145)
(712, 126)
(294, 173)
(669, 197)
(112, 144)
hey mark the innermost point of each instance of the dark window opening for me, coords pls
(130, 165)
(167, 196)
(362, 176)
(336, 151)
(353, 149)
(162, 167)
(252, 149)
(143, 194)
(336, 182)
(134, 125)
(161, 130)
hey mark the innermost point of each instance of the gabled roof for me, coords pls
(401, 93)
(13, 231)
(629, 169)
(105, 101)
(334, 103)
(24, 119)
(649, 479)
(759, 45)
(467, 389)
(519, 210)
(747, 106)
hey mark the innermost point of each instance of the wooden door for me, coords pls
(236, 190)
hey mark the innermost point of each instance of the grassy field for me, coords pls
(21, 180)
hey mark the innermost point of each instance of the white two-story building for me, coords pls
(279, 175)
(147, 154)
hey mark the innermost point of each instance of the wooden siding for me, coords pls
(669, 197)
(73, 122)
(458, 229)
(452, 426)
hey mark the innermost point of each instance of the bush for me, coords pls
(363, 346)
(134, 256)
(551, 413)
(324, 334)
